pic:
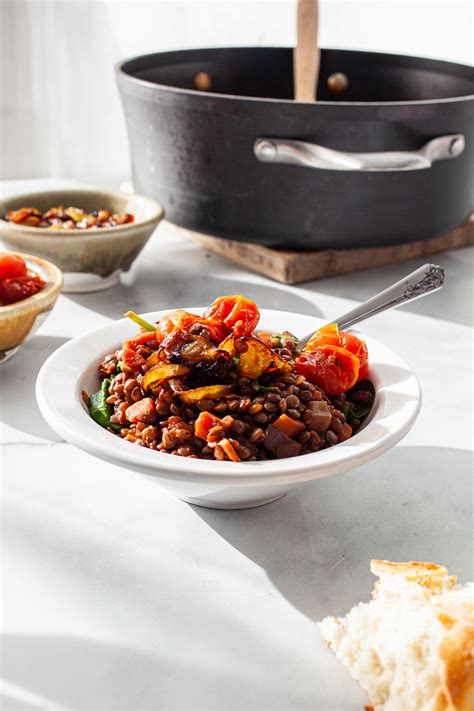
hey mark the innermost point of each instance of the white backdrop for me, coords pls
(60, 113)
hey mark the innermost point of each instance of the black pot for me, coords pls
(198, 154)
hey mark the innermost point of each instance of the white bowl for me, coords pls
(227, 485)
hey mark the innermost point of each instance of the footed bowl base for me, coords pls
(211, 504)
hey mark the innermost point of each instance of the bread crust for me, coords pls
(457, 653)
(428, 575)
(457, 648)
(431, 587)
(381, 567)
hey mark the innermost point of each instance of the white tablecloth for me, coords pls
(116, 596)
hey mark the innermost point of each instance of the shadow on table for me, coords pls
(17, 385)
(176, 286)
(315, 543)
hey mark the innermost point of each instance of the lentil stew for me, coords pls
(214, 387)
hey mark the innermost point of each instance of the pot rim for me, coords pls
(123, 75)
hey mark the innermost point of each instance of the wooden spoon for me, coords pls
(306, 54)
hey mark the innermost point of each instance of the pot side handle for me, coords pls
(311, 155)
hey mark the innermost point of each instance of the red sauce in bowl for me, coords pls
(17, 282)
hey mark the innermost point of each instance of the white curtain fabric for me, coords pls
(60, 113)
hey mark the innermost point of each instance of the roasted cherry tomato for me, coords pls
(142, 338)
(331, 336)
(132, 360)
(11, 265)
(331, 368)
(327, 335)
(180, 320)
(19, 288)
(174, 321)
(240, 315)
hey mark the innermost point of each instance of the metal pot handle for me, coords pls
(311, 155)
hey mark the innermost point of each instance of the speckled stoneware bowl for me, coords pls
(19, 321)
(91, 260)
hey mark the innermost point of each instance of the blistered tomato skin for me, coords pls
(325, 336)
(331, 336)
(238, 314)
(359, 349)
(180, 320)
(177, 320)
(331, 368)
(132, 360)
(11, 265)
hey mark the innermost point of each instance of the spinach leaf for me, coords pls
(360, 400)
(263, 389)
(99, 408)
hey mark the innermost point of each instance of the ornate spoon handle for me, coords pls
(424, 280)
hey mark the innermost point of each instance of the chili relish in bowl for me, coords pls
(17, 282)
(67, 218)
(29, 288)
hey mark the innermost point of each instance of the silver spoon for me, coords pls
(425, 280)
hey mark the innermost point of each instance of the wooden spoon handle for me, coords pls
(306, 55)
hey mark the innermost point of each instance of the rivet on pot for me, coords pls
(202, 81)
(457, 146)
(337, 82)
(265, 150)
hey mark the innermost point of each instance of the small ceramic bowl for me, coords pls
(19, 321)
(91, 260)
(227, 485)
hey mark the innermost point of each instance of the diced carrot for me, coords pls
(142, 411)
(205, 422)
(229, 450)
(288, 425)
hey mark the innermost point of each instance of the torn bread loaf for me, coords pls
(411, 647)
